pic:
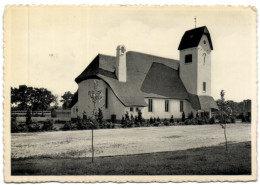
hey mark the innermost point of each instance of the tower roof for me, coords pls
(191, 38)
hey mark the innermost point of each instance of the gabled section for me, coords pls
(191, 38)
(101, 64)
(163, 81)
(202, 102)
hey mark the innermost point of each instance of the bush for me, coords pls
(212, 120)
(60, 121)
(138, 124)
(233, 119)
(151, 121)
(92, 124)
(203, 121)
(109, 125)
(191, 121)
(190, 116)
(172, 120)
(48, 125)
(100, 116)
(34, 127)
(158, 119)
(143, 123)
(104, 124)
(166, 122)
(85, 117)
(22, 128)
(68, 126)
(81, 124)
(123, 122)
(183, 117)
(139, 117)
(136, 120)
(243, 118)
(129, 123)
(156, 124)
(14, 126)
(132, 117)
(28, 117)
(126, 116)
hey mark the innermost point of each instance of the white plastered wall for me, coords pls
(85, 103)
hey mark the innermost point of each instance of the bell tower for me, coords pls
(195, 61)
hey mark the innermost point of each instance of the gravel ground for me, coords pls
(111, 142)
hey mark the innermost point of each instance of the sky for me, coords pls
(50, 46)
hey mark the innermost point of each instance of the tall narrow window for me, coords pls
(166, 105)
(204, 86)
(131, 109)
(150, 105)
(188, 58)
(106, 101)
(181, 106)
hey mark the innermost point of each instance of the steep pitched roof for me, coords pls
(139, 65)
(101, 64)
(147, 76)
(202, 102)
(163, 81)
(191, 38)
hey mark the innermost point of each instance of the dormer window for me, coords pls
(188, 58)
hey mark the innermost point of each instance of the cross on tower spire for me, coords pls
(195, 21)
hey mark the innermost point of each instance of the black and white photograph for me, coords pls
(137, 92)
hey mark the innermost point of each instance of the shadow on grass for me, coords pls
(200, 161)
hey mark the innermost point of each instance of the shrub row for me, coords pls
(98, 123)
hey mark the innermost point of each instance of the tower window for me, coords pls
(166, 105)
(181, 106)
(204, 86)
(188, 58)
(204, 42)
(150, 105)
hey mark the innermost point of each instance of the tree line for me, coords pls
(37, 99)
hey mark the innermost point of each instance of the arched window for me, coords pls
(106, 101)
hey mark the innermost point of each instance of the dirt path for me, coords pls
(110, 142)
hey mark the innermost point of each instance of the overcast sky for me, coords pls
(50, 46)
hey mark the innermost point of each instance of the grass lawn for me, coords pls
(213, 160)
(112, 142)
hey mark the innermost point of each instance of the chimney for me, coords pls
(121, 63)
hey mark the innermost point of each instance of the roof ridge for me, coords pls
(99, 54)
(196, 28)
(152, 55)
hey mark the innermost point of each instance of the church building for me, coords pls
(157, 86)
